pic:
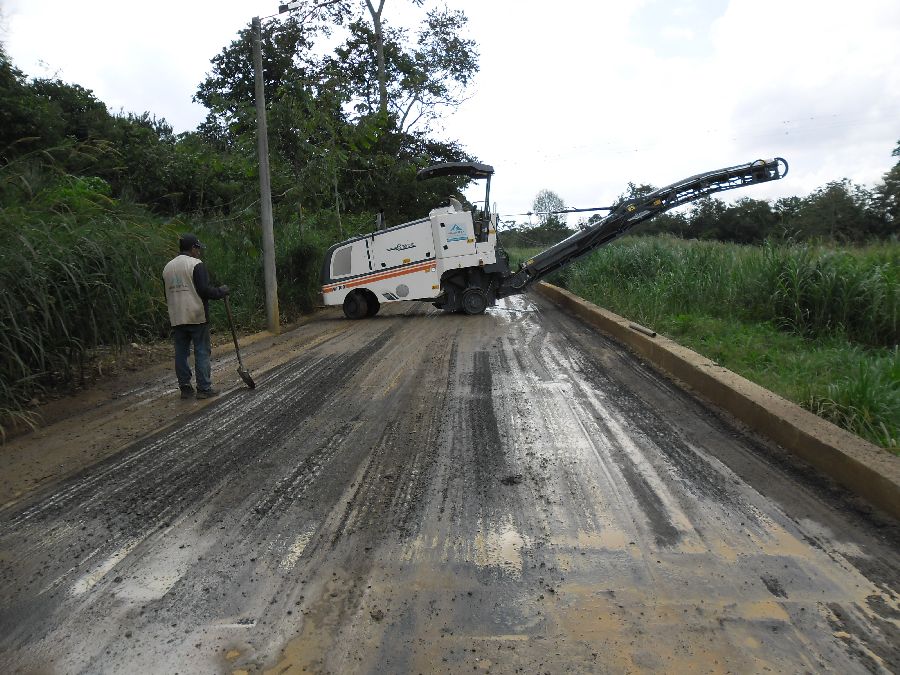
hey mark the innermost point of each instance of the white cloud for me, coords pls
(678, 33)
(135, 56)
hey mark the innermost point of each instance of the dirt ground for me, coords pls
(123, 398)
(422, 492)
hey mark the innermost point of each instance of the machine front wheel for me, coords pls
(355, 305)
(474, 301)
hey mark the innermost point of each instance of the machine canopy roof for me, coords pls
(470, 169)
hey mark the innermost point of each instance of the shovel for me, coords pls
(245, 376)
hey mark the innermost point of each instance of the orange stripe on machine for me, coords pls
(380, 276)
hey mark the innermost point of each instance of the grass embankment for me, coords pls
(815, 324)
(80, 274)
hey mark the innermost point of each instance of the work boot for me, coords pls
(187, 391)
(207, 393)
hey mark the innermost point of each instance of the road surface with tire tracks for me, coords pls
(426, 492)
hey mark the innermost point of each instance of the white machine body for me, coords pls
(407, 262)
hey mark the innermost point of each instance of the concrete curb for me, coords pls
(860, 466)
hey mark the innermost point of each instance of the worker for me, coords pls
(188, 294)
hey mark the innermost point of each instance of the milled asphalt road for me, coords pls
(422, 492)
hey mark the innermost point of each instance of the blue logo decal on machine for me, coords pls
(456, 233)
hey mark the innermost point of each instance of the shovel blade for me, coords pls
(245, 376)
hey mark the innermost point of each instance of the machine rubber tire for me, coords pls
(355, 305)
(474, 301)
(372, 305)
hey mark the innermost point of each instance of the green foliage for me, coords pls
(812, 291)
(77, 272)
(888, 195)
(824, 291)
(840, 211)
(866, 401)
(422, 75)
(551, 227)
(25, 119)
(331, 149)
(79, 114)
(78, 195)
(852, 387)
(229, 89)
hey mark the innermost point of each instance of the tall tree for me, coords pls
(378, 30)
(888, 195)
(26, 120)
(407, 81)
(551, 226)
(747, 221)
(634, 191)
(330, 146)
(706, 217)
(840, 210)
(544, 205)
(228, 90)
(437, 70)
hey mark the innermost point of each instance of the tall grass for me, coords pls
(813, 291)
(821, 291)
(867, 401)
(80, 271)
(71, 283)
(816, 323)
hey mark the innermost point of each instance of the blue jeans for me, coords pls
(198, 335)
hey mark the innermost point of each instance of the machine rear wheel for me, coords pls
(474, 301)
(372, 304)
(355, 305)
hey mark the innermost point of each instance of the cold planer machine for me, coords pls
(453, 258)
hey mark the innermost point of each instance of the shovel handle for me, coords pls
(237, 350)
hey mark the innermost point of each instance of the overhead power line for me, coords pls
(551, 213)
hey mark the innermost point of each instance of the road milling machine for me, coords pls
(454, 259)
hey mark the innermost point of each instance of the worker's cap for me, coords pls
(188, 241)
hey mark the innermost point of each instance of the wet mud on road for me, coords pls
(422, 492)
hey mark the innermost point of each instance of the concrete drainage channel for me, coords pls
(860, 466)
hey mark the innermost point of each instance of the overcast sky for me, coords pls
(574, 96)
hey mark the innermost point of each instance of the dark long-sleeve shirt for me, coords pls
(204, 289)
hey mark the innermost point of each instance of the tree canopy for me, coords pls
(332, 147)
(840, 211)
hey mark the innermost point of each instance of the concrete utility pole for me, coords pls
(265, 189)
